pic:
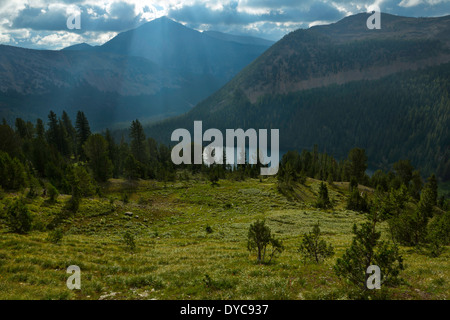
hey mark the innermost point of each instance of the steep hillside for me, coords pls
(341, 86)
(346, 51)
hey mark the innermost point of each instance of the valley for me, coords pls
(358, 176)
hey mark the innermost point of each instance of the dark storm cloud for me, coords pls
(120, 17)
(265, 18)
(200, 14)
(34, 18)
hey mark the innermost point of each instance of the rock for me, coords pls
(107, 295)
(130, 214)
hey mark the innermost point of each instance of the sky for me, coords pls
(42, 24)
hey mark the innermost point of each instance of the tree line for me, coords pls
(71, 159)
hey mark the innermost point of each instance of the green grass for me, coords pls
(176, 258)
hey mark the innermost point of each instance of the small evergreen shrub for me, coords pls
(19, 217)
(314, 248)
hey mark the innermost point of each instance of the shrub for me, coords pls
(19, 217)
(213, 175)
(314, 248)
(125, 198)
(323, 201)
(356, 202)
(259, 237)
(409, 227)
(33, 188)
(74, 203)
(353, 184)
(53, 193)
(55, 236)
(12, 172)
(438, 233)
(330, 180)
(208, 229)
(129, 240)
(366, 250)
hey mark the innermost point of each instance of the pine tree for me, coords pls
(10, 142)
(259, 238)
(131, 168)
(428, 197)
(23, 129)
(404, 170)
(357, 163)
(138, 147)
(63, 140)
(96, 150)
(53, 130)
(19, 217)
(71, 133)
(433, 186)
(323, 201)
(113, 153)
(40, 129)
(83, 132)
(366, 250)
(416, 185)
(12, 172)
(313, 247)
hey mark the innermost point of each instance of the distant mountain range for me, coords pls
(338, 86)
(159, 69)
(342, 86)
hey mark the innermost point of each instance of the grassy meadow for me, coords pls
(191, 243)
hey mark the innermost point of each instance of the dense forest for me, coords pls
(409, 120)
(59, 153)
(71, 159)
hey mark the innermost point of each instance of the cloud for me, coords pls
(118, 16)
(230, 13)
(63, 38)
(21, 21)
(409, 3)
(251, 18)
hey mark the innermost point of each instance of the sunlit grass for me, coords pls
(176, 258)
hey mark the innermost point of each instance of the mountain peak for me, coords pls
(160, 24)
(163, 19)
(79, 47)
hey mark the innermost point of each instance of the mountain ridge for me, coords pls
(308, 69)
(317, 43)
(142, 87)
(188, 51)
